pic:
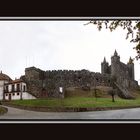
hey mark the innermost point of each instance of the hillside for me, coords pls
(102, 91)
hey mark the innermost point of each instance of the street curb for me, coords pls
(4, 110)
(66, 109)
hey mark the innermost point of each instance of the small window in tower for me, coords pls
(13, 94)
(6, 94)
(17, 93)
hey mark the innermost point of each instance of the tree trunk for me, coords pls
(113, 99)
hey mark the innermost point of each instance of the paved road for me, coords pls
(14, 113)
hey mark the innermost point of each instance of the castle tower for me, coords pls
(115, 57)
(130, 65)
(115, 60)
(104, 67)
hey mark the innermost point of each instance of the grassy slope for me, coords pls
(78, 102)
(102, 101)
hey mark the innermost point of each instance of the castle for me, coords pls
(124, 73)
(118, 69)
(47, 83)
(37, 83)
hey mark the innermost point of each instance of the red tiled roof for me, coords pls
(16, 81)
(4, 77)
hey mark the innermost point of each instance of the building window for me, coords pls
(13, 94)
(6, 88)
(6, 94)
(18, 87)
(17, 93)
(24, 88)
(13, 87)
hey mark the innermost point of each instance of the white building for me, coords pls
(3, 79)
(13, 89)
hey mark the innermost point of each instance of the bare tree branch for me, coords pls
(132, 27)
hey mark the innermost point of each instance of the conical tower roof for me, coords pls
(115, 53)
(4, 76)
(104, 60)
(130, 60)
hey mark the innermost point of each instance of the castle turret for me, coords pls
(115, 53)
(115, 60)
(115, 57)
(130, 65)
(104, 60)
(104, 67)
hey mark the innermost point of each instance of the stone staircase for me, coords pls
(123, 92)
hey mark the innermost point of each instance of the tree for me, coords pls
(95, 92)
(112, 92)
(132, 27)
(95, 89)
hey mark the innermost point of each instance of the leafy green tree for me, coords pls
(132, 27)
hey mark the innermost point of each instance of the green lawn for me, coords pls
(79, 102)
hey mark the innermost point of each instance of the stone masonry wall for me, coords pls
(46, 83)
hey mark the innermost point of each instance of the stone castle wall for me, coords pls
(124, 73)
(47, 83)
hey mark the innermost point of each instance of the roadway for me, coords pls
(14, 113)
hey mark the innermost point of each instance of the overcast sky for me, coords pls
(53, 45)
